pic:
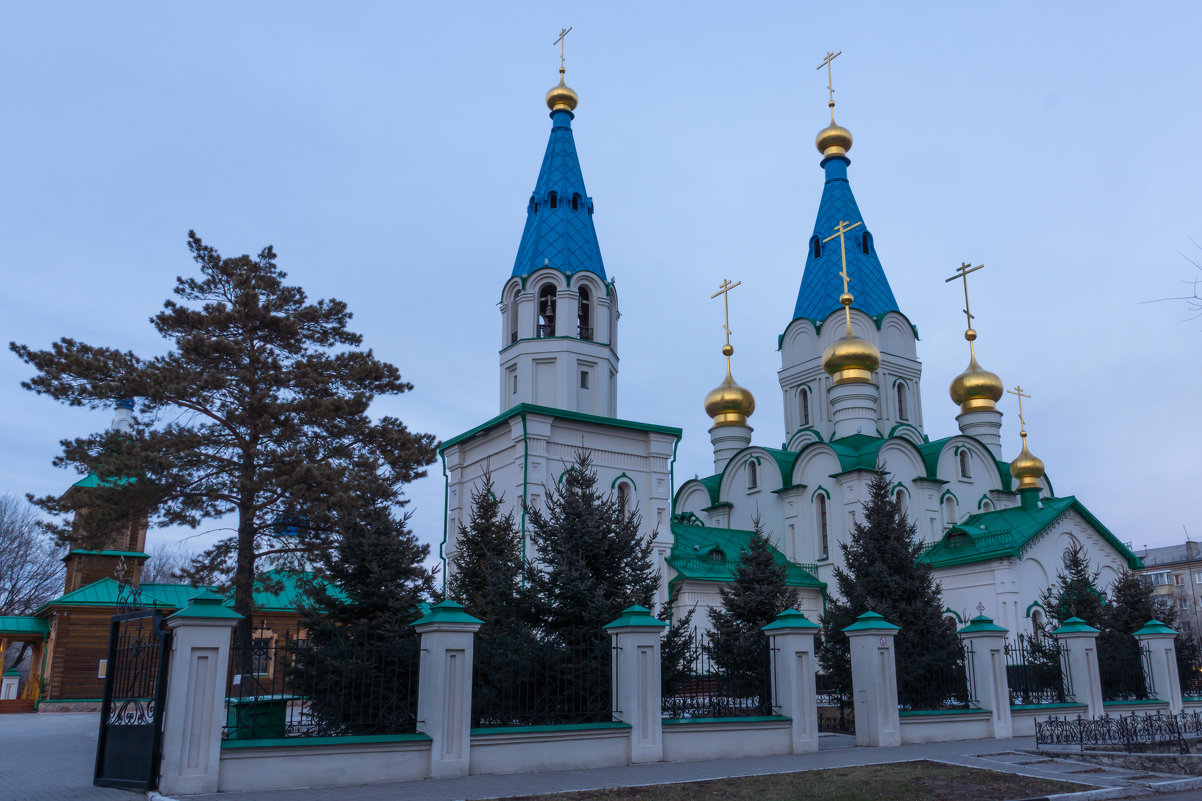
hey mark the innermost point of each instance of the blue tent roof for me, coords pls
(821, 285)
(559, 230)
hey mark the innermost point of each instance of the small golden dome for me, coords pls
(1027, 468)
(851, 360)
(561, 97)
(728, 403)
(976, 389)
(833, 140)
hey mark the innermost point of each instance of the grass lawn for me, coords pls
(902, 781)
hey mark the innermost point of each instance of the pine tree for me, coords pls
(591, 562)
(1075, 593)
(263, 399)
(359, 668)
(758, 593)
(883, 575)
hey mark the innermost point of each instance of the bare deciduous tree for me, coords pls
(31, 572)
(166, 563)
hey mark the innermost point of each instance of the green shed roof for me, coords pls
(702, 553)
(21, 624)
(1003, 533)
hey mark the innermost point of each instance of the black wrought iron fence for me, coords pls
(1132, 732)
(1036, 671)
(1123, 669)
(715, 683)
(934, 686)
(541, 681)
(1189, 665)
(354, 681)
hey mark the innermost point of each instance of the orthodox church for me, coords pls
(993, 529)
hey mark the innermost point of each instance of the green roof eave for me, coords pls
(563, 414)
(206, 605)
(692, 543)
(92, 481)
(23, 624)
(131, 554)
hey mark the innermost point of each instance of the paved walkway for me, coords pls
(49, 757)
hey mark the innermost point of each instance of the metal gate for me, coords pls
(135, 687)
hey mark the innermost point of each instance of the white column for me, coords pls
(988, 671)
(874, 680)
(853, 408)
(793, 666)
(985, 425)
(636, 680)
(1161, 673)
(195, 706)
(444, 687)
(727, 441)
(1080, 641)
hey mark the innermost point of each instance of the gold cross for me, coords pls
(1018, 392)
(962, 273)
(830, 86)
(562, 33)
(841, 229)
(724, 290)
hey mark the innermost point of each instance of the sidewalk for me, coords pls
(835, 751)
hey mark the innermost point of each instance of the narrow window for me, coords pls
(804, 405)
(902, 412)
(823, 530)
(553, 200)
(965, 463)
(515, 384)
(816, 246)
(900, 497)
(987, 506)
(584, 379)
(866, 243)
(949, 510)
(753, 475)
(624, 498)
(576, 201)
(585, 322)
(546, 311)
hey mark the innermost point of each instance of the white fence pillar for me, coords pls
(794, 663)
(1080, 641)
(636, 680)
(988, 671)
(444, 686)
(1160, 671)
(195, 705)
(874, 680)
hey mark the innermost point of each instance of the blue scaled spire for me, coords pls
(821, 284)
(559, 229)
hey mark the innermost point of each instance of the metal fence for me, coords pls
(1131, 732)
(934, 687)
(712, 682)
(1124, 669)
(1036, 669)
(354, 681)
(1189, 665)
(534, 680)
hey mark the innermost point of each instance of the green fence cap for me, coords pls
(1155, 627)
(790, 619)
(871, 621)
(636, 616)
(1075, 625)
(446, 612)
(982, 623)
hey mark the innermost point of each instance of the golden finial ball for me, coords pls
(833, 140)
(970, 334)
(846, 299)
(561, 97)
(727, 350)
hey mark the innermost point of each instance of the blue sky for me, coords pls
(387, 151)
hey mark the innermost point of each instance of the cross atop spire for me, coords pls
(724, 291)
(970, 334)
(563, 32)
(846, 298)
(1018, 392)
(830, 85)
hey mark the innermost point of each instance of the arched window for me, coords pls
(512, 309)
(803, 402)
(553, 200)
(624, 498)
(546, 310)
(753, 475)
(576, 201)
(902, 412)
(1037, 619)
(816, 246)
(585, 322)
(965, 463)
(949, 510)
(866, 243)
(823, 526)
(903, 501)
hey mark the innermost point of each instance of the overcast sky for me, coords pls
(387, 151)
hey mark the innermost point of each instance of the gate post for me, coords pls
(1079, 640)
(987, 671)
(874, 680)
(196, 677)
(1160, 669)
(444, 686)
(637, 694)
(793, 666)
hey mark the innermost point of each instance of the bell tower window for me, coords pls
(824, 542)
(585, 322)
(902, 412)
(816, 246)
(553, 200)
(576, 201)
(803, 403)
(546, 311)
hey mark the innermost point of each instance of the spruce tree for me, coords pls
(259, 406)
(882, 574)
(1130, 604)
(754, 598)
(1075, 593)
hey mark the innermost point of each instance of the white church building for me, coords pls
(850, 377)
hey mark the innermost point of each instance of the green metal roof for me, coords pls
(858, 452)
(133, 554)
(713, 484)
(702, 553)
(19, 624)
(563, 414)
(92, 481)
(1003, 533)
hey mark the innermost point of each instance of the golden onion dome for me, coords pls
(976, 389)
(562, 97)
(833, 140)
(1027, 468)
(728, 403)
